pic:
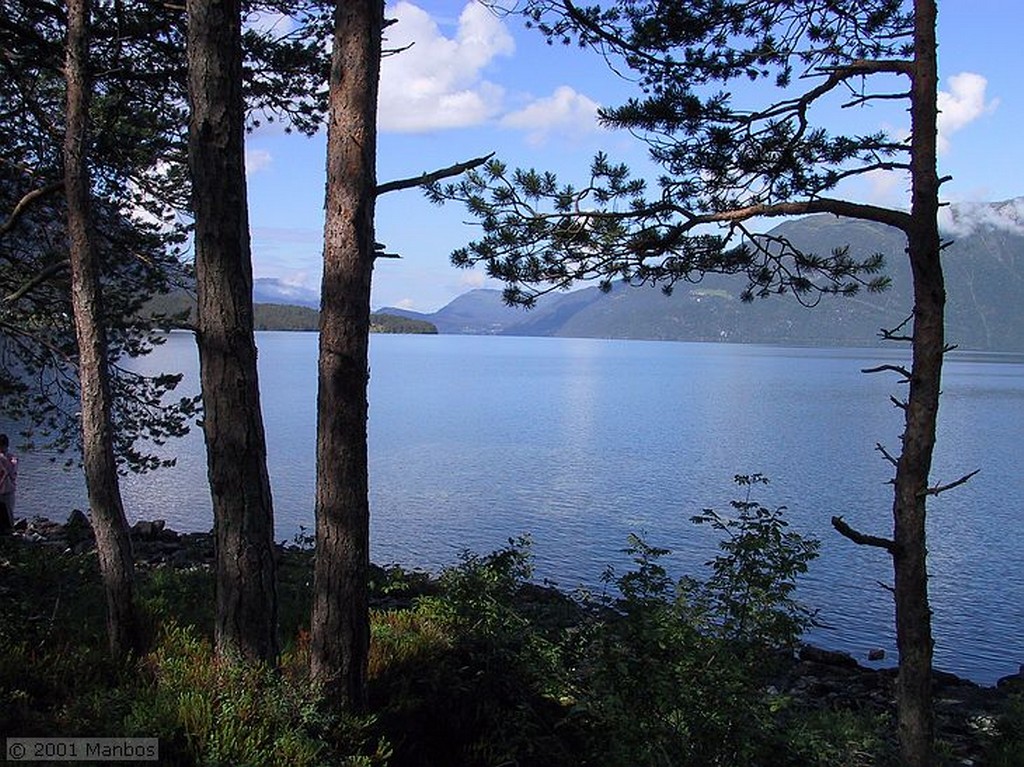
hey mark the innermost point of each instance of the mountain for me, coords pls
(267, 290)
(984, 267)
(180, 307)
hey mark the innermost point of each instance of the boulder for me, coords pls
(148, 530)
(827, 657)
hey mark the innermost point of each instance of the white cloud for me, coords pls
(888, 188)
(962, 218)
(962, 104)
(565, 112)
(257, 160)
(471, 280)
(438, 83)
(406, 303)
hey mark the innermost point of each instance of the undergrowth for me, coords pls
(477, 666)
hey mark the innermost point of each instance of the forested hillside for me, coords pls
(178, 311)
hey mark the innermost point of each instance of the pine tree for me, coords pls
(725, 165)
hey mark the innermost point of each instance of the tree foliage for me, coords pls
(727, 163)
(722, 163)
(141, 189)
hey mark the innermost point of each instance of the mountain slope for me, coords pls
(984, 267)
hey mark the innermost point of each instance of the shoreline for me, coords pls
(815, 679)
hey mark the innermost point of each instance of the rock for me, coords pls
(148, 531)
(1013, 682)
(77, 531)
(876, 654)
(167, 535)
(828, 657)
(78, 519)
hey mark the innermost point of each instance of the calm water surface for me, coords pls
(580, 442)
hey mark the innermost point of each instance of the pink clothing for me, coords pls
(8, 482)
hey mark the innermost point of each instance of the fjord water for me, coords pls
(581, 442)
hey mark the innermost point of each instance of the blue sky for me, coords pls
(473, 83)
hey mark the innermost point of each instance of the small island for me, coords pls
(177, 310)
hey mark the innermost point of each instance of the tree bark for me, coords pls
(340, 630)
(913, 614)
(246, 600)
(113, 543)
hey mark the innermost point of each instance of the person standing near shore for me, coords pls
(8, 484)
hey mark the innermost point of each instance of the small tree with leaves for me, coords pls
(725, 165)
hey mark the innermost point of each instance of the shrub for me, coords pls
(465, 677)
(676, 672)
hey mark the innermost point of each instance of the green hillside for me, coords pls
(178, 309)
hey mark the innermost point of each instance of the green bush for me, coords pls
(465, 677)
(839, 739)
(1007, 747)
(677, 672)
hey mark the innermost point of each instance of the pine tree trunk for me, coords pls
(246, 602)
(913, 614)
(113, 544)
(340, 624)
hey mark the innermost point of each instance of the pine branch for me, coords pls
(844, 208)
(39, 279)
(25, 202)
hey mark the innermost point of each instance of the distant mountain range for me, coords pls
(267, 290)
(984, 268)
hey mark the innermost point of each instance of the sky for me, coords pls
(473, 83)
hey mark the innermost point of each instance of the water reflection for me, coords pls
(580, 442)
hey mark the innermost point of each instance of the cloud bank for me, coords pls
(439, 82)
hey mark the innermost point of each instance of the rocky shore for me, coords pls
(813, 678)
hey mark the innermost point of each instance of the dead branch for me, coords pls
(429, 178)
(860, 538)
(892, 368)
(891, 335)
(885, 453)
(943, 488)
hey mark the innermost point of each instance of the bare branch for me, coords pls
(885, 453)
(893, 334)
(943, 488)
(428, 178)
(861, 100)
(881, 165)
(891, 368)
(860, 538)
